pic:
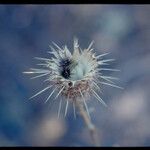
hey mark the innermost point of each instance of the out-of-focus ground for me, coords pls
(27, 30)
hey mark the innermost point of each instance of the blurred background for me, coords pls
(26, 32)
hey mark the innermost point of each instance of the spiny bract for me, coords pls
(74, 76)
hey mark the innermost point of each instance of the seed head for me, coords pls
(74, 76)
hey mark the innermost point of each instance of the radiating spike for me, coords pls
(81, 93)
(53, 77)
(41, 91)
(57, 46)
(95, 81)
(42, 71)
(97, 57)
(53, 68)
(106, 79)
(74, 110)
(110, 77)
(107, 69)
(106, 60)
(54, 52)
(111, 85)
(91, 49)
(40, 58)
(104, 64)
(40, 76)
(76, 45)
(60, 92)
(62, 53)
(35, 69)
(55, 61)
(28, 72)
(38, 72)
(59, 109)
(50, 94)
(42, 64)
(67, 52)
(66, 109)
(86, 107)
(96, 85)
(93, 55)
(90, 45)
(48, 79)
(98, 98)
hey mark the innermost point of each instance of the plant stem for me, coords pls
(88, 123)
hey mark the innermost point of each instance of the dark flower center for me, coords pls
(65, 68)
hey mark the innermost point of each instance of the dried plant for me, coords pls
(75, 77)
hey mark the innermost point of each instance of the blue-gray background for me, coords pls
(27, 30)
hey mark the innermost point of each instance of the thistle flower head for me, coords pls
(74, 76)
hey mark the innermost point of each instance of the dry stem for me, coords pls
(88, 123)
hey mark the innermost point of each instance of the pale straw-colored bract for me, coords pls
(74, 76)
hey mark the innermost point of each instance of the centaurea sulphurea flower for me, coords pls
(74, 76)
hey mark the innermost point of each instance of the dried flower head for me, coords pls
(74, 76)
